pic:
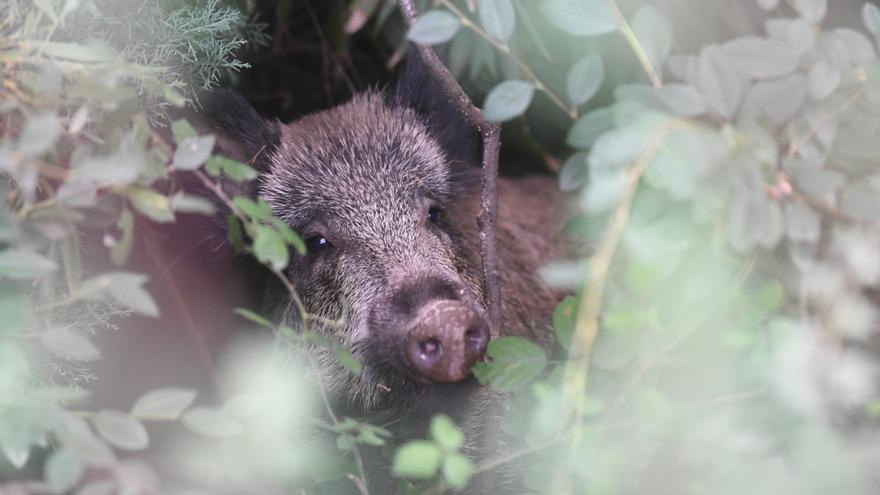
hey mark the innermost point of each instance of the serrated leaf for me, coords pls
(183, 130)
(580, 17)
(584, 79)
(211, 422)
(587, 129)
(434, 27)
(497, 17)
(416, 459)
(871, 18)
(163, 403)
(457, 470)
(654, 33)
(508, 100)
(68, 344)
(192, 152)
(683, 100)
(446, 433)
(515, 362)
(269, 247)
(22, 265)
(758, 57)
(121, 429)
(564, 320)
(62, 470)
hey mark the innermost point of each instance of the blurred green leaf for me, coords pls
(497, 17)
(191, 153)
(457, 470)
(762, 58)
(446, 433)
(416, 459)
(269, 247)
(233, 169)
(211, 422)
(812, 11)
(434, 27)
(186, 203)
(588, 128)
(21, 265)
(151, 204)
(683, 100)
(573, 174)
(564, 320)
(69, 344)
(121, 429)
(39, 134)
(62, 471)
(121, 250)
(126, 288)
(163, 403)
(183, 130)
(508, 100)
(654, 33)
(347, 360)
(871, 17)
(514, 363)
(580, 17)
(584, 79)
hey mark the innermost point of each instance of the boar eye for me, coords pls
(316, 244)
(434, 214)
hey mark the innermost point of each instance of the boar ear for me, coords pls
(417, 89)
(241, 133)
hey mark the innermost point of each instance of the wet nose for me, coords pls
(445, 340)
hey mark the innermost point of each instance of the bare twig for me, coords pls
(491, 134)
(634, 43)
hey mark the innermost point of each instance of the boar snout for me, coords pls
(445, 340)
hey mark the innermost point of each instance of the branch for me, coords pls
(491, 134)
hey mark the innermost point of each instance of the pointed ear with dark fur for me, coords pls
(242, 134)
(417, 89)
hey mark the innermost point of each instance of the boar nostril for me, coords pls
(430, 349)
(475, 340)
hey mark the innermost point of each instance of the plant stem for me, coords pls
(634, 43)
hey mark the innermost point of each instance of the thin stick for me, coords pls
(491, 134)
(634, 43)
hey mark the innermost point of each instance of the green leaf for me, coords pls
(802, 223)
(574, 173)
(445, 433)
(121, 429)
(871, 17)
(15, 312)
(457, 470)
(186, 203)
(580, 17)
(758, 57)
(39, 134)
(233, 169)
(151, 204)
(778, 100)
(183, 130)
(719, 83)
(269, 247)
(68, 344)
(126, 288)
(564, 320)
(22, 265)
(163, 403)
(416, 459)
(588, 128)
(812, 11)
(63, 470)
(584, 79)
(654, 33)
(257, 210)
(508, 100)
(497, 17)
(254, 317)
(822, 80)
(682, 100)
(289, 236)
(514, 363)
(121, 249)
(347, 360)
(77, 192)
(191, 153)
(434, 27)
(211, 422)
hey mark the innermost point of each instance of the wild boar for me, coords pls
(385, 192)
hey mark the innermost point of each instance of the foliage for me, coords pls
(721, 335)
